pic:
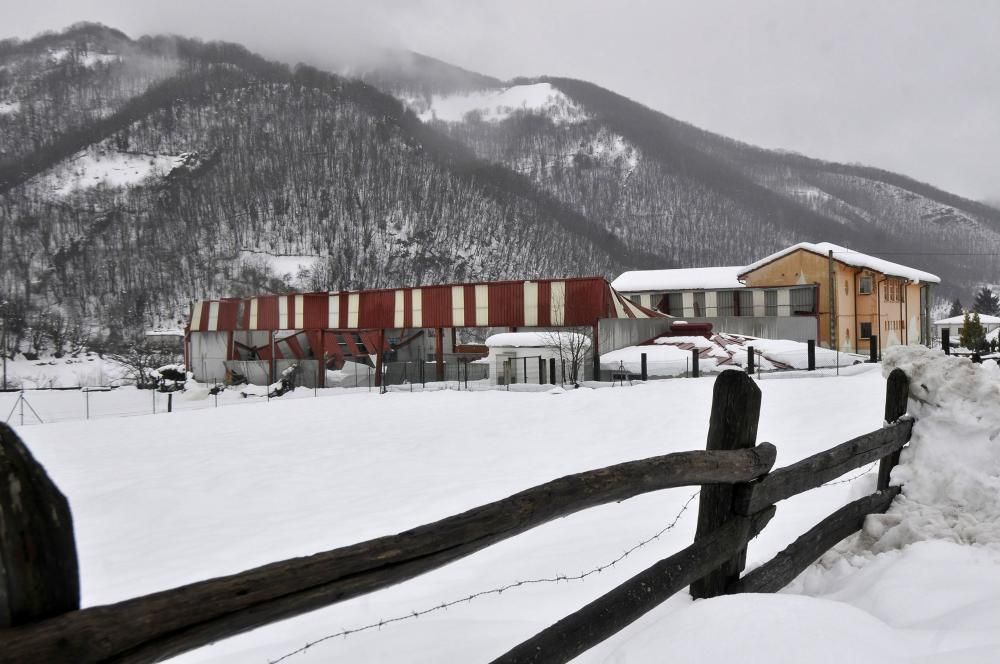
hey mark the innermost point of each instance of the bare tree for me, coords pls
(571, 344)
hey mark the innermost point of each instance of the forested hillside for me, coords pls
(695, 198)
(138, 175)
(210, 181)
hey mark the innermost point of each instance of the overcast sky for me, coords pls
(908, 85)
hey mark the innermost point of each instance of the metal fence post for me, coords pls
(811, 354)
(694, 363)
(170, 400)
(946, 340)
(873, 349)
(750, 359)
(86, 398)
(552, 370)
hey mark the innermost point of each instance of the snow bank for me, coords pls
(950, 472)
(796, 354)
(661, 360)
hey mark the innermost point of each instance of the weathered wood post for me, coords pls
(39, 577)
(694, 363)
(811, 354)
(733, 426)
(897, 394)
(643, 373)
(750, 360)
(552, 370)
(873, 349)
(946, 340)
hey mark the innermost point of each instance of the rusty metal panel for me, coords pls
(228, 312)
(377, 309)
(544, 303)
(469, 291)
(315, 315)
(506, 304)
(408, 308)
(436, 306)
(585, 301)
(267, 312)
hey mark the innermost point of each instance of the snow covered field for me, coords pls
(162, 502)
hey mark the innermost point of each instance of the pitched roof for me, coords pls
(849, 257)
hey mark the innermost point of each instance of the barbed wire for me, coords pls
(518, 584)
(853, 477)
(495, 591)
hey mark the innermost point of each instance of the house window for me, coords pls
(726, 303)
(866, 331)
(744, 303)
(675, 304)
(699, 304)
(655, 301)
(770, 303)
(635, 299)
(803, 300)
(893, 291)
(865, 285)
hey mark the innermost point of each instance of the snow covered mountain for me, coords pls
(138, 175)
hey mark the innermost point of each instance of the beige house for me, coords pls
(839, 297)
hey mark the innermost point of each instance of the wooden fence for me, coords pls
(40, 618)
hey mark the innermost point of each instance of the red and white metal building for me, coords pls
(330, 328)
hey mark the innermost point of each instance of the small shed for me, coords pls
(529, 355)
(955, 323)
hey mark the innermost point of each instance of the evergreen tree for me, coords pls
(986, 302)
(973, 335)
(956, 308)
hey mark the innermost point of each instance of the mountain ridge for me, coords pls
(141, 174)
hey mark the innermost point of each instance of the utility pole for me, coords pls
(833, 303)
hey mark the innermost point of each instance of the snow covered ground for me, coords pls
(109, 168)
(161, 502)
(494, 105)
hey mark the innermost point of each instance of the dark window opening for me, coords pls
(866, 331)
(865, 285)
(803, 300)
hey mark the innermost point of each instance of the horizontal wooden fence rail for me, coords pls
(148, 628)
(729, 516)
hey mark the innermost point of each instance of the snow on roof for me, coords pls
(850, 257)
(958, 320)
(533, 339)
(679, 279)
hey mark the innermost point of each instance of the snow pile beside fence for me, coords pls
(950, 472)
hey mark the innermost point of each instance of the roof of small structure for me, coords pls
(691, 278)
(958, 320)
(848, 257)
(536, 339)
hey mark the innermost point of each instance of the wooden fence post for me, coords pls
(39, 577)
(733, 426)
(897, 394)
